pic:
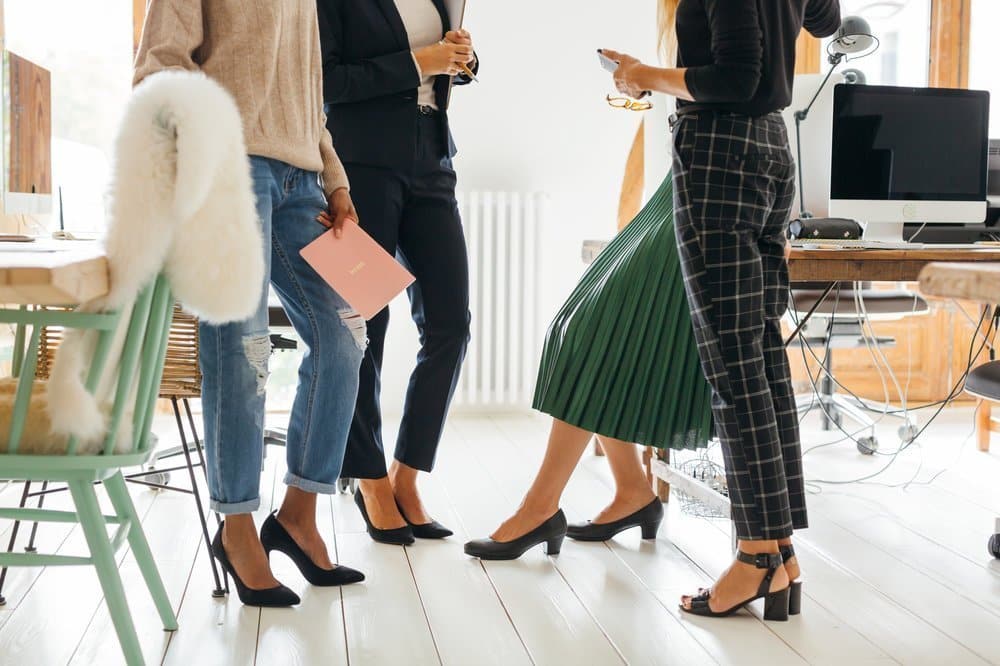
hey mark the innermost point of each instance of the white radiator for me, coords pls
(503, 234)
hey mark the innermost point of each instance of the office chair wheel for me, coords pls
(908, 432)
(994, 546)
(867, 446)
(159, 478)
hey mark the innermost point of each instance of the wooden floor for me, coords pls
(894, 575)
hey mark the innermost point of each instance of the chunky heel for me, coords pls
(795, 598)
(775, 603)
(776, 606)
(650, 530)
(554, 545)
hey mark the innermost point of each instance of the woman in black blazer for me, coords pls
(389, 66)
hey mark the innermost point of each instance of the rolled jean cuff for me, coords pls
(310, 486)
(231, 508)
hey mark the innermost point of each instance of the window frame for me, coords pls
(948, 65)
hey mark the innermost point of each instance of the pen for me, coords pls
(469, 73)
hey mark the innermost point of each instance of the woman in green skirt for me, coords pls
(620, 361)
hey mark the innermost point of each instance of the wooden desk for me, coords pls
(972, 282)
(72, 272)
(876, 265)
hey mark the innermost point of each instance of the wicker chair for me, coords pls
(181, 382)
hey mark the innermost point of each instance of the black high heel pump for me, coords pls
(551, 533)
(775, 603)
(401, 536)
(795, 587)
(648, 518)
(273, 597)
(274, 536)
(431, 530)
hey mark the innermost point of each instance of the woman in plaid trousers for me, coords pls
(734, 186)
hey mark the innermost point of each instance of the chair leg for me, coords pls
(122, 501)
(196, 491)
(13, 539)
(30, 548)
(95, 530)
(200, 450)
(983, 424)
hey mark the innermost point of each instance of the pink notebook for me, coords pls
(358, 269)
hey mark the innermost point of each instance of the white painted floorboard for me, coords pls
(893, 575)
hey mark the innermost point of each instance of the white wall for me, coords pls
(538, 122)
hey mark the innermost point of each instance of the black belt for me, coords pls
(426, 110)
(695, 109)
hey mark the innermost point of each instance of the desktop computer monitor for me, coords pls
(908, 155)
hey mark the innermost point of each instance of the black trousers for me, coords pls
(734, 188)
(414, 215)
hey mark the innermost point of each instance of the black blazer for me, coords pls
(370, 82)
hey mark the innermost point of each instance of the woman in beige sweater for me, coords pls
(267, 54)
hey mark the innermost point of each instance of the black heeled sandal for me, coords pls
(274, 536)
(273, 597)
(775, 603)
(648, 518)
(795, 587)
(401, 536)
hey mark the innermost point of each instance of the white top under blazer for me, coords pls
(423, 28)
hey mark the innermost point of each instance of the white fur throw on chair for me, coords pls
(181, 202)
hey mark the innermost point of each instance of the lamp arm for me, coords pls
(804, 113)
(801, 116)
(798, 163)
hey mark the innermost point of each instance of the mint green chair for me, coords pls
(136, 374)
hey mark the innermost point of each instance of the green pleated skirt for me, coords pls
(620, 358)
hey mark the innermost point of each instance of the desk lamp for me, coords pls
(854, 39)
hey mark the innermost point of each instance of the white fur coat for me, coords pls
(181, 202)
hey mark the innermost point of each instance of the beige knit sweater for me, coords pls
(267, 54)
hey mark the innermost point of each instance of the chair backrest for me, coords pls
(135, 373)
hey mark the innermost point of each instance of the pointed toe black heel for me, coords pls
(648, 518)
(274, 536)
(431, 530)
(550, 533)
(401, 536)
(272, 597)
(795, 587)
(775, 603)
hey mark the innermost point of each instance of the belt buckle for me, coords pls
(425, 109)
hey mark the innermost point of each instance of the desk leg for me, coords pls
(812, 310)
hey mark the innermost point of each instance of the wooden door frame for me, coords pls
(950, 36)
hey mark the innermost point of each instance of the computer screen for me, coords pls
(909, 144)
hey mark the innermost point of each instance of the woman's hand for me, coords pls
(630, 77)
(340, 210)
(445, 57)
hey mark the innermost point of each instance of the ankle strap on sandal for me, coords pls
(770, 561)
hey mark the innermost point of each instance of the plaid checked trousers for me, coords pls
(733, 192)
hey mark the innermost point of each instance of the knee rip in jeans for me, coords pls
(355, 323)
(257, 349)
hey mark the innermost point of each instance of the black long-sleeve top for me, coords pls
(740, 54)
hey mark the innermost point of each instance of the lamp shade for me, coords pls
(854, 38)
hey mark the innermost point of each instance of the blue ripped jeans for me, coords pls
(234, 357)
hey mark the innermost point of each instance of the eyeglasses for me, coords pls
(629, 103)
